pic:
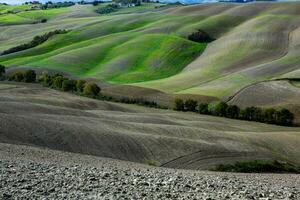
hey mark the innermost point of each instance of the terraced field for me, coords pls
(148, 46)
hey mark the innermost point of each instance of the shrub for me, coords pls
(43, 20)
(69, 85)
(232, 111)
(91, 89)
(80, 85)
(29, 76)
(203, 108)
(179, 105)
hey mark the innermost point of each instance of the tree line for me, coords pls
(281, 117)
(62, 83)
(37, 40)
(56, 81)
(51, 5)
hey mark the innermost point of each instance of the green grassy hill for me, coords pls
(147, 46)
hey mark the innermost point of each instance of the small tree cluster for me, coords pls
(188, 105)
(60, 82)
(51, 5)
(28, 76)
(200, 36)
(108, 9)
(280, 117)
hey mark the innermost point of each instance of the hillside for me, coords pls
(254, 42)
(37, 116)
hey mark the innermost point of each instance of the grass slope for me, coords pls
(147, 47)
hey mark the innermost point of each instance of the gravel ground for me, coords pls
(34, 173)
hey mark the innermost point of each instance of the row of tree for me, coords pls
(80, 87)
(56, 81)
(280, 117)
(37, 40)
(50, 4)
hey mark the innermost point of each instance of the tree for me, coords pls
(220, 109)
(232, 111)
(57, 81)
(45, 79)
(80, 85)
(17, 76)
(284, 117)
(203, 108)
(270, 115)
(91, 89)
(190, 105)
(69, 85)
(179, 105)
(2, 70)
(248, 113)
(29, 76)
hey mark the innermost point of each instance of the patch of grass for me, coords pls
(152, 163)
(258, 166)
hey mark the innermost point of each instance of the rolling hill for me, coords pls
(36, 116)
(147, 47)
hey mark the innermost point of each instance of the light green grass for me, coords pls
(42, 14)
(148, 47)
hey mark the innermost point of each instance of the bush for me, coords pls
(80, 85)
(190, 105)
(44, 20)
(91, 89)
(69, 85)
(232, 111)
(29, 76)
(203, 108)
(179, 105)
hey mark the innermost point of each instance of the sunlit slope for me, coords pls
(258, 49)
(254, 42)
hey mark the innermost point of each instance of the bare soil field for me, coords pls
(37, 116)
(41, 173)
(280, 94)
